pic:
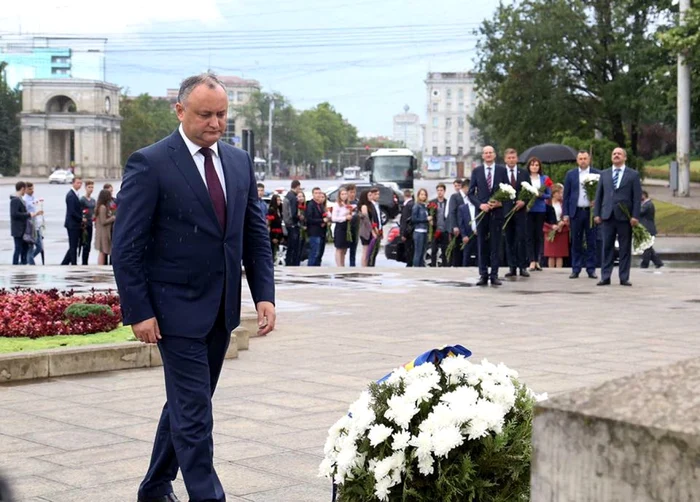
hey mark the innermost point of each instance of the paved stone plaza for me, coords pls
(88, 438)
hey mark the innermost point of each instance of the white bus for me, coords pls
(392, 166)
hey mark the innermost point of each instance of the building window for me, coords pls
(435, 136)
(448, 106)
(448, 122)
(449, 94)
(436, 122)
(460, 106)
(435, 107)
(460, 122)
(448, 136)
(460, 137)
(460, 151)
(435, 152)
(448, 150)
(472, 150)
(460, 93)
(242, 96)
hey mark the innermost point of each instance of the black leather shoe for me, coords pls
(524, 272)
(483, 281)
(592, 276)
(625, 283)
(170, 497)
(495, 281)
(574, 275)
(511, 273)
(603, 282)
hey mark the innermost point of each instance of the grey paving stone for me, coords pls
(298, 493)
(35, 486)
(299, 465)
(100, 454)
(73, 438)
(90, 417)
(240, 480)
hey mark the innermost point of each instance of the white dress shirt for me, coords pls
(582, 195)
(622, 174)
(199, 160)
(535, 181)
(472, 215)
(557, 210)
(379, 213)
(493, 173)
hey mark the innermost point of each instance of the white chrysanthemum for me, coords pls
(461, 396)
(455, 368)
(421, 390)
(400, 440)
(335, 432)
(424, 371)
(488, 416)
(445, 440)
(529, 188)
(505, 187)
(397, 376)
(378, 434)
(502, 394)
(401, 410)
(441, 417)
(425, 465)
(325, 470)
(387, 473)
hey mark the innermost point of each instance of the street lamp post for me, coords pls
(269, 137)
(405, 125)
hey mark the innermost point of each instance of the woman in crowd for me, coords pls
(536, 214)
(303, 237)
(556, 247)
(274, 223)
(104, 221)
(419, 217)
(341, 216)
(366, 231)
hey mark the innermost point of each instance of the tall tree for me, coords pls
(146, 120)
(10, 134)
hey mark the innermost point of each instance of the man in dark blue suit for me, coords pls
(188, 216)
(467, 230)
(484, 183)
(516, 231)
(73, 222)
(577, 214)
(618, 186)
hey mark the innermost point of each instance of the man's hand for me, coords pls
(495, 204)
(266, 317)
(465, 240)
(597, 220)
(485, 207)
(519, 205)
(565, 220)
(147, 331)
(634, 222)
(455, 231)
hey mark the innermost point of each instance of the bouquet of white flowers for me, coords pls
(444, 431)
(641, 238)
(590, 185)
(528, 194)
(504, 193)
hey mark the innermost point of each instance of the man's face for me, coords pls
(511, 159)
(583, 160)
(488, 154)
(318, 196)
(374, 196)
(77, 184)
(440, 193)
(89, 189)
(618, 157)
(261, 192)
(351, 195)
(458, 186)
(203, 114)
(30, 190)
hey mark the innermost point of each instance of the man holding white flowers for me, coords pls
(576, 213)
(619, 195)
(515, 233)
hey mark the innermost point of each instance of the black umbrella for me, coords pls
(549, 153)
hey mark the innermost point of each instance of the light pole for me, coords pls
(269, 136)
(683, 126)
(405, 125)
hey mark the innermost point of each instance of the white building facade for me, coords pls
(407, 128)
(450, 142)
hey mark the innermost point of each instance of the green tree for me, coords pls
(380, 142)
(335, 131)
(10, 138)
(146, 120)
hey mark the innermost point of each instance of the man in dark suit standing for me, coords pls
(188, 216)
(484, 183)
(516, 231)
(467, 230)
(74, 222)
(290, 215)
(441, 231)
(647, 217)
(406, 226)
(455, 202)
(577, 213)
(619, 185)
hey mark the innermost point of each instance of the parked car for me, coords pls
(61, 176)
(390, 200)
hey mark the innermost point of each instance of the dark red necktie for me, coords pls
(214, 184)
(512, 177)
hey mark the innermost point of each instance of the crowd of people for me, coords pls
(562, 225)
(87, 220)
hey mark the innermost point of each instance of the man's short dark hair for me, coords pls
(315, 188)
(107, 186)
(20, 185)
(260, 185)
(296, 184)
(441, 185)
(189, 84)
(583, 151)
(89, 183)
(645, 194)
(351, 186)
(457, 182)
(374, 190)
(407, 193)
(30, 184)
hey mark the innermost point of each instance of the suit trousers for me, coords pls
(184, 436)
(650, 255)
(85, 251)
(621, 230)
(582, 231)
(440, 243)
(292, 258)
(489, 234)
(470, 248)
(71, 257)
(535, 237)
(516, 239)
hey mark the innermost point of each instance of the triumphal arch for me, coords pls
(70, 123)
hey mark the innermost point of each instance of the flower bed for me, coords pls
(36, 313)
(447, 431)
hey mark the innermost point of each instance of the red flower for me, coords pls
(276, 230)
(270, 217)
(433, 206)
(302, 207)
(85, 211)
(548, 181)
(374, 225)
(438, 233)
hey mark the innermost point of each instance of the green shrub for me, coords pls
(83, 310)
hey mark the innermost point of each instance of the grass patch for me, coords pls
(658, 168)
(24, 344)
(672, 219)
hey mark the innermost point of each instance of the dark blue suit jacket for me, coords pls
(571, 191)
(171, 258)
(74, 211)
(479, 192)
(465, 218)
(629, 194)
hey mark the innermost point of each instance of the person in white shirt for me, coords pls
(38, 221)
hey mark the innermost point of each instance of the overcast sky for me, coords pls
(366, 57)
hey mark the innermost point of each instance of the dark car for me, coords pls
(395, 250)
(390, 200)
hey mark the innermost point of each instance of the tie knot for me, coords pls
(207, 152)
